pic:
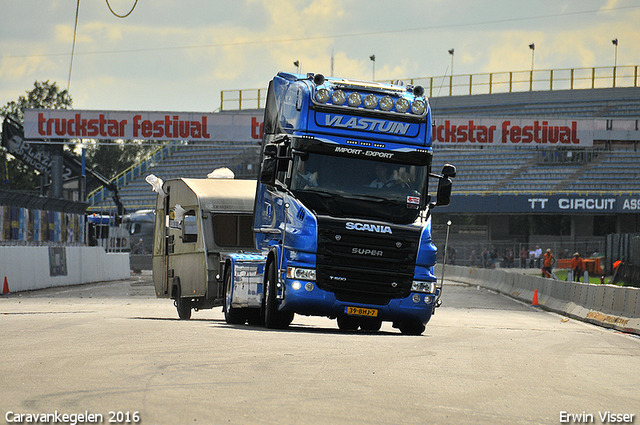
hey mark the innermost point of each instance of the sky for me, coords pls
(178, 55)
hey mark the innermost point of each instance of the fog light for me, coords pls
(416, 298)
(428, 300)
(309, 286)
(296, 285)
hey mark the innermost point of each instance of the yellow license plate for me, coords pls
(357, 311)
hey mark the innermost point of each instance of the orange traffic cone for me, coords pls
(5, 289)
(535, 297)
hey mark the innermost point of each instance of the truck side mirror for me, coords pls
(268, 170)
(443, 195)
(449, 170)
(270, 150)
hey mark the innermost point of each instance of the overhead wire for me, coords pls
(73, 45)
(122, 16)
(324, 37)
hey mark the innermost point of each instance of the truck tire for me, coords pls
(347, 323)
(273, 318)
(183, 305)
(370, 324)
(412, 328)
(233, 316)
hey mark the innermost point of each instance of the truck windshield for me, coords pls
(354, 187)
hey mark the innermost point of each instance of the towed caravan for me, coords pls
(202, 226)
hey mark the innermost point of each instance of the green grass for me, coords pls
(562, 275)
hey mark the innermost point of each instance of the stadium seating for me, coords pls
(519, 170)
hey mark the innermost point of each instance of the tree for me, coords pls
(43, 95)
(110, 158)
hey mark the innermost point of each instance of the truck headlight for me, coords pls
(300, 273)
(425, 287)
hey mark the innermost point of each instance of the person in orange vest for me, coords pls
(577, 266)
(548, 261)
(616, 271)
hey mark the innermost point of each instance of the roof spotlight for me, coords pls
(370, 101)
(338, 97)
(355, 99)
(386, 103)
(418, 107)
(402, 105)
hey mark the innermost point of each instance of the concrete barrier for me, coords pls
(605, 305)
(36, 267)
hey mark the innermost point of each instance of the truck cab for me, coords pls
(342, 212)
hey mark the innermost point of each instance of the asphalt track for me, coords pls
(483, 359)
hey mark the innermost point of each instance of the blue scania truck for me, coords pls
(341, 214)
(342, 210)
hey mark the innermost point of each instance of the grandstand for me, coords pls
(185, 160)
(605, 167)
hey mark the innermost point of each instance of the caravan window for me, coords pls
(233, 230)
(190, 227)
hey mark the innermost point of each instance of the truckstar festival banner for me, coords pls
(192, 126)
(514, 132)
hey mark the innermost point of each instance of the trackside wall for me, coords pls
(36, 267)
(605, 305)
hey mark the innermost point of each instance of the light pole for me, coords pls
(615, 59)
(373, 59)
(297, 65)
(532, 46)
(451, 77)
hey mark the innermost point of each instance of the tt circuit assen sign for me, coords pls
(544, 204)
(192, 126)
(513, 132)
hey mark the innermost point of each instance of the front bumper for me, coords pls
(318, 302)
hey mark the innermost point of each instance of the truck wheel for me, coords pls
(273, 318)
(347, 323)
(233, 316)
(412, 328)
(183, 305)
(255, 317)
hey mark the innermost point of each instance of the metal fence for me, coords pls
(513, 254)
(483, 83)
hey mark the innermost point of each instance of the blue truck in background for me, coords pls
(341, 214)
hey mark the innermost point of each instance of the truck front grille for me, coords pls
(366, 266)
